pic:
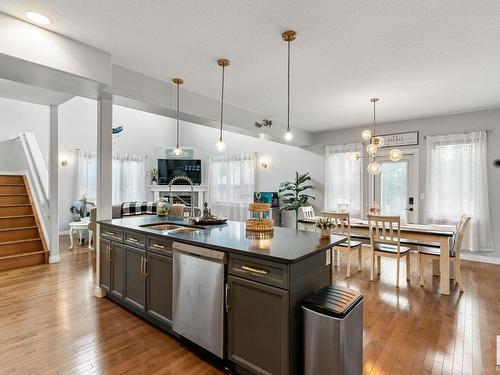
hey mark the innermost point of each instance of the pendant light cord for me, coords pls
(222, 104)
(288, 92)
(178, 91)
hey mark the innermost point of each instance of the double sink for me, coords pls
(171, 228)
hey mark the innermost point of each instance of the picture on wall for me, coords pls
(400, 139)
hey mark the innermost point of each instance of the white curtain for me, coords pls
(87, 175)
(344, 178)
(232, 180)
(129, 177)
(457, 184)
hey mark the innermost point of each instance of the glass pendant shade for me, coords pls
(374, 168)
(220, 146)
(177, 151)
(371, 149)
(395, 155)
(288, 135)
(366, 134)
(379, 141)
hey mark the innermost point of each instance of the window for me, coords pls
(457, 184)
(231, 184)
(343, 179)
(129, 177)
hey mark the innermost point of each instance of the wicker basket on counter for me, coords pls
(260, 218)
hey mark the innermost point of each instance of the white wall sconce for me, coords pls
(64, 163)
(264, 164)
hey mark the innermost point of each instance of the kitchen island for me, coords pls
(237, 296)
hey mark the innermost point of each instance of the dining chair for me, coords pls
(307, 212)
(176, 209)
(385, 238)
(433, 252)
(342, 227)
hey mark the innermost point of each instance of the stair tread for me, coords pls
(15, 205)
(10, 195)
(21, 255)
(2, 184)
(18, 228)
(20, 241)
(15, 216)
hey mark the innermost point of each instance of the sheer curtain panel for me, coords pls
(87, 175)
(232, 181)
(129, 178)
(344, 178)
(457, 183)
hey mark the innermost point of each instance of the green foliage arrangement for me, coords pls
(293, 194)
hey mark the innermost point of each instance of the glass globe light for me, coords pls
(220, 145)
(371, 149)
(396, 154)
(366, 134)
(288, 135)
(379, 141)
(354, 156)
(177, 151)
(373, 168)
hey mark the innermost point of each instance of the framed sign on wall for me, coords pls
(400, 139)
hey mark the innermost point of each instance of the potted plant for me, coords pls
(325, 226)
(293, 194)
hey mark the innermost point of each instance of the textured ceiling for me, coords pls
(423, 58)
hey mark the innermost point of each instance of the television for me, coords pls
(170, 168)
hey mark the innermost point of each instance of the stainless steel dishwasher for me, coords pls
(198, 296)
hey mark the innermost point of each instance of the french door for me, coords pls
(395, 189)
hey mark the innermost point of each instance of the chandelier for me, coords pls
(374, 144)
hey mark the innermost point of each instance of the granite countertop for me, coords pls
(286, 245)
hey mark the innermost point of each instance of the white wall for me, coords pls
(17, 117)
(464, 122)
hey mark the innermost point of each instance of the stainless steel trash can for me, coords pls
(333, 332)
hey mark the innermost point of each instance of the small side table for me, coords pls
(79, 226)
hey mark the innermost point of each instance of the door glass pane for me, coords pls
(393, 187)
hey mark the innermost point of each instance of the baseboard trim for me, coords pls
(480, 258)
(54, 259)
(99, 292)
(64, 233)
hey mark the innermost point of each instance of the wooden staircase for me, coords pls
(21, 238)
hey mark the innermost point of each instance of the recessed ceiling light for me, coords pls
(37, 18)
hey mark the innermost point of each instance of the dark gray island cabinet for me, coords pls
(263, 291)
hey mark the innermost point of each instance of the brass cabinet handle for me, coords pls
(110, 254)
(158, 246)
(227, 298)
(142, 267)
(132, 239)
(145, 274)
(254, 270)
(107, 253)
(109, 233)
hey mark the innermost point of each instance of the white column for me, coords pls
(53, 186)
(104, 174)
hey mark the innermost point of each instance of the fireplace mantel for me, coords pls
(163, 190)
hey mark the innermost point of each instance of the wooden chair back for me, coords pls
(341, 222)
(307, 212)
(459, 236)
(385, 230)
(176, 209)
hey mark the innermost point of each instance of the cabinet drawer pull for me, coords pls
(110, 249)
(142, 267)
(132, 239)
(145, 274)
(155, 245)
(109, 233)
(254, 270)
(227, 297)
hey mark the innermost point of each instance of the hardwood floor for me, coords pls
(50, 323)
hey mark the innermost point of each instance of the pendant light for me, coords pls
(221, 145)
(177, 150)
(288, 36)
(374, 167)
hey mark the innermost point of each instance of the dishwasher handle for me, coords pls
(227, 297)
(203, 252)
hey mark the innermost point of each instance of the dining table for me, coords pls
(413, 234)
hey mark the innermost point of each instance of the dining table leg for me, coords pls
(444, 266)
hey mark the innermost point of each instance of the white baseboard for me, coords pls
(54, 259)
(99, 292)
(480, 258)
(64, 233)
